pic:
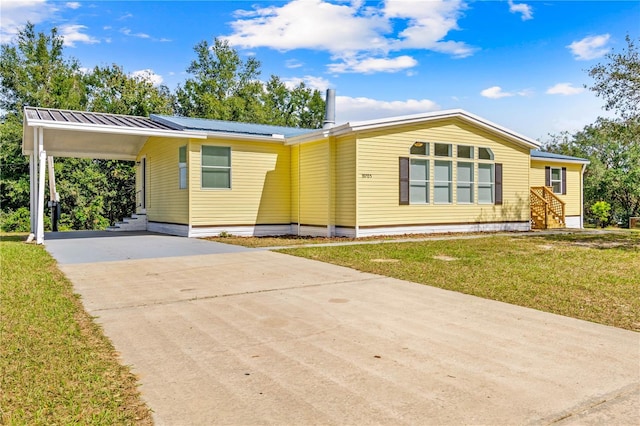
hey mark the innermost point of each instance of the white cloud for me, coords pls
(564, 89)
(353, 30)
(148, 75)
(495, 92)
(127, 32)
(293, 63)
(314, 83)
(591, 47)
(72, 34)
(15, 15)
(523, 8)
(371, 65)
(73, 5)
(357, 109)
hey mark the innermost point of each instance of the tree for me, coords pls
(223, 86)
(611, 145)
(111, 90)
(614, 172)
(34, 72)
(618, 81)
(600, 210)
(298, 107)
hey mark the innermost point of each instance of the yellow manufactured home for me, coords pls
(445, 171)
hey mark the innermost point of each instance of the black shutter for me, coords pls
(564, 181)
(547, 176)
(498, 171)
(404, 180)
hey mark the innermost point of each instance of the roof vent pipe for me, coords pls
(330, 110)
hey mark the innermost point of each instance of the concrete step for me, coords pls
(137, 222)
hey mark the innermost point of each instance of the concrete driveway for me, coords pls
(256, 337)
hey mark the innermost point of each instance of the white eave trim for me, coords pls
(559, 160)
(275, 138)
(359, 126)
(118, 130)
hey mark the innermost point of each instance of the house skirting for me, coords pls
(339, 231)
(573, 221)
(442, 228)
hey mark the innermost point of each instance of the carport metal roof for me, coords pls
(93, 135)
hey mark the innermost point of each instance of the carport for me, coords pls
(49, 133)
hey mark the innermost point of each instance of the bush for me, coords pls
(601, 211)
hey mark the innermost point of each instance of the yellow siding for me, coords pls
(378, 177)
(314, 183)
(165, 201)
(345, 182)
(260, 186)
(573, 197)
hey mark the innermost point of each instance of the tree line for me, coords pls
(35, 71)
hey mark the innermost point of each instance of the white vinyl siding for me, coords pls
(216, 167)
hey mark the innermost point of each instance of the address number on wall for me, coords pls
(367, 176)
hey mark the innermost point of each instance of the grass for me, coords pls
(296, 240)
(56, 366)
(595, 277)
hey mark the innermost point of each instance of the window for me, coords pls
(485, 154)
(465, 151)
(216, 167)
(556, 180)
(419, 182)
(442, 183)
(465, 183)
(420, 148)
(442, 150)
(486, 183)
(182, 167)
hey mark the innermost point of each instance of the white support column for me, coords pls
(33, 203)
(33, 162)
(42, 161)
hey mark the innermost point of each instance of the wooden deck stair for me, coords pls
(547, 210)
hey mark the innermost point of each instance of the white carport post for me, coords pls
(42, 160)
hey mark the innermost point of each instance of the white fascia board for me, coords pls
(560, 160)
(359, 126)
(117, 130)
(275, 138)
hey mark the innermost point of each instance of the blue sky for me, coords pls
(521, 64)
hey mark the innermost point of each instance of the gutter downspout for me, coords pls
(328, 123)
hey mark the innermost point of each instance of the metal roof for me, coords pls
(84, 134)
(99, 119)
(558, 157)
(220, 126)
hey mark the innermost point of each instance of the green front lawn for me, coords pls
(56, 366)
(595, 277)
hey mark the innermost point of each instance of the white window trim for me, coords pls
(182, 168)
(426, 180)
(469, 183)
(551, 180)
(492, 184)
(202, 167)
(448, 182)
